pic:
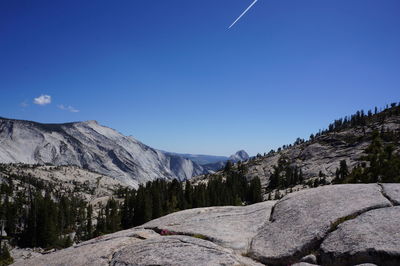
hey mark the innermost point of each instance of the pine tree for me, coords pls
(255, 190)
(228, 167)
(101, 223)
(341, 173)
(89, 225)
(156, 200)
(188, 195)
(5, 257)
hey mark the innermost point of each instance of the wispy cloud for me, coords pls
(42, 100)
(68, 108)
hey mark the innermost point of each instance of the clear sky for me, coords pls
(171, 74)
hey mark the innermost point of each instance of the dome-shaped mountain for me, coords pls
(239, 156)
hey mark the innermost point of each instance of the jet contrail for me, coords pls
(255, 1)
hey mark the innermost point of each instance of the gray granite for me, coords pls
(178, 250)
(372, 237)
(301, 220)
(230, 226)
(392, 191)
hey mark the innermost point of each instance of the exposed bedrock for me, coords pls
(354, 224)
(301, 220)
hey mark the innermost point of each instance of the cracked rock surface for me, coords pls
(332, 225)
(302, 219)
(373, 236)
(230, 226)
(177, 250)
(392, 191)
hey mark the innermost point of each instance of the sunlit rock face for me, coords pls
(91, 146)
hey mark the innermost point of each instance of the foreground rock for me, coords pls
(232, 227)
(371, 237)
(302, 219)
(177, 250)
(21, 254)
(141, 247)
(95, 252)
(331, 225)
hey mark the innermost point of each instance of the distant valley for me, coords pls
(214, 163)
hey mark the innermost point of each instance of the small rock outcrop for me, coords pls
(312, 259)
(331, 225)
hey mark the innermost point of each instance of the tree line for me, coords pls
(361, 118)
(158, 198)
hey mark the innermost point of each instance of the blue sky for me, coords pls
(172, 75)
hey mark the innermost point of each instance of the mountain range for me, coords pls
(101, 149)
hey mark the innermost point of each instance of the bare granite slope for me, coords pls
(323, 154)
(320, 155)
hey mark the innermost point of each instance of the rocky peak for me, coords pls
(91, 122)
(239, 156)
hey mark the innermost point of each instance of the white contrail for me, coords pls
(252, 4)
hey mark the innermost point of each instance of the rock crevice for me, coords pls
(231, 227)
(391, 192)
(372, 237)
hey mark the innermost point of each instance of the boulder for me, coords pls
(372, 237)
(177, 250)
(232, 227)
(312, 259)
(301, 220)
